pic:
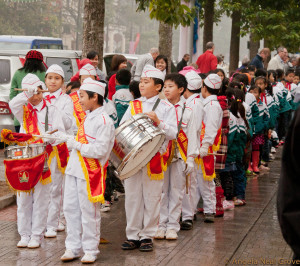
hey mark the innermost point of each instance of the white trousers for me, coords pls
(173, 190)
(32, 212)
(206, 190)
(56, 196)
(82, 217)
(142, 205)
(189, 200)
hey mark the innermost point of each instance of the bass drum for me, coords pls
(137, 141)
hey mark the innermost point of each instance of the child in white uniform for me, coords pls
(60, 117)
(32, 207)
(210, 142)
(143, 192)
(192, 101)
(185, 149)
(85, 174)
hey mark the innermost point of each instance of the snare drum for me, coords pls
(137, 141)
(16, 152)
(22, 152)
(36, 149)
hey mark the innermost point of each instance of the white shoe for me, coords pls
(228, 205)
(88, 258)
(171, 234)
(105, 207)
(69, 255)
(50, 233)
(33, 243)
(61, 227)
(23, 243)
(160, 234)
(273, 150)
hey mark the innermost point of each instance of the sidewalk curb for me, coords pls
(7, 200)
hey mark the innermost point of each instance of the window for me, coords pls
(65, 63)
(43, 46)
(55, 46)
(4, 71)
(14, 45)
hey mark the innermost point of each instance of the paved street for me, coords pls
(247, 235)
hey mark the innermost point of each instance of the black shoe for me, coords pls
(209, 218)
(146, 245)
(195, 217)
(131, 244)
(186, 225)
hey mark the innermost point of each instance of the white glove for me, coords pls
(204, 150)
(31, 91)
(73, 144)
(63, 136)
(190, 165)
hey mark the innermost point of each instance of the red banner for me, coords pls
(9, 137)
(23, 174)
(79, 114)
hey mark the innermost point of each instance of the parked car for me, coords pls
(12, 60)
(19, 42)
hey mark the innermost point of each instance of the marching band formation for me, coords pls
(168, 153)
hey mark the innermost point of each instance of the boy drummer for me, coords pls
(29, 108)
(85, 174)
(143, 191)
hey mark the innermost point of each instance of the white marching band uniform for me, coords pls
(142, 195)
(174, 177)
(32, 207)
(61, 118)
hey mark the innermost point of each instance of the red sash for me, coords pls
(30, 125)
(94, 173)
(159, 163)
(78, 113)
(61, 153)
(30, 121)
(207, 163)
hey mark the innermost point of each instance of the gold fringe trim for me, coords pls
(92, 199)
(46, 181)
(51, 156)
(206, 177)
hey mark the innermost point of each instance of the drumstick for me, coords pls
(216, 154)
(47, 137)
(16, 89)
(51, 132)
(187, 184)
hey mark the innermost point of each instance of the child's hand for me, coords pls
(152, 115)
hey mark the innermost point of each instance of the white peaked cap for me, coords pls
(32, 81)
(194, 80)
(56, 69)
(94, 86)
(87, 70)
(152, 72)
(213, 81)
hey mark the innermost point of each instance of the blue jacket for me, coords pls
(257, 62)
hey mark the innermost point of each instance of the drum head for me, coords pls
(139, 157)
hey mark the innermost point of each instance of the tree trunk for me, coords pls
(93, 28)
(267, 44)
(235, 41)
(253, 47)
(209, 8)
(165, 42)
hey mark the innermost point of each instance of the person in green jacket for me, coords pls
(34, 65)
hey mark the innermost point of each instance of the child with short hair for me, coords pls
(210, 140)
(143, 191)
(193, 102)
(60, 117)
(30, 109)
(134, 89)
(85, 174)
(72, 87)
(122, 97)
(184, 150)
